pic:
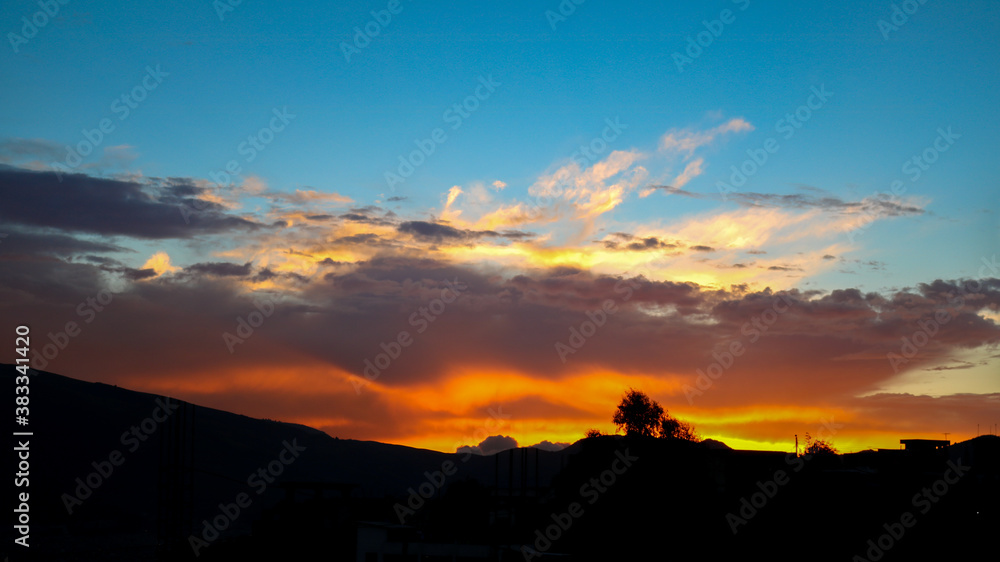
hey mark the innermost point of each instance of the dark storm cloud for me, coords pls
(109, 207)
(366, 215)
(377, 299)
(624, 241)
(517, 234)
(816, 346)
(28, 242)
(437, 232)
(220, 269)
(366, 238)
(137, 274)
(100, 260)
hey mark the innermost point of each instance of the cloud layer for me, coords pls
(306, 306)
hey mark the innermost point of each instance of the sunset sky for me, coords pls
(525, 210)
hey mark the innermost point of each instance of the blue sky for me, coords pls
(354, 119)
(556, 84)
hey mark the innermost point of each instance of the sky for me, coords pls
(426, 224)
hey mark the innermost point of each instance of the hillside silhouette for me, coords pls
(603, 498)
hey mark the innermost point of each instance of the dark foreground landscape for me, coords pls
(122, 475)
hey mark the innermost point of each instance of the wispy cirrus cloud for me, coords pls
(686, 141)
(880, 205)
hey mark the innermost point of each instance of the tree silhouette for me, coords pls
(594, 433)
(673, 428)
(819, 446)
(638, 415)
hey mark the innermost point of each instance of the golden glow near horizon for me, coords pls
(567, 227)
(493, 403)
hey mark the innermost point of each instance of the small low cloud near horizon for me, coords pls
(491, 445)
(764, 253)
